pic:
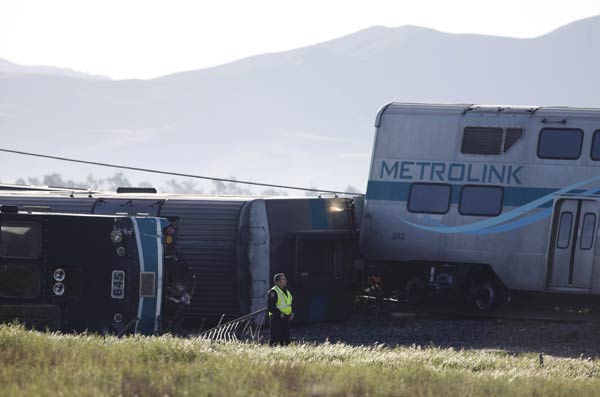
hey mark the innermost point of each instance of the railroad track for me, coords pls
(395, 308)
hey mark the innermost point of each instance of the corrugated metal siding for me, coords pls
(57, 204)
(206, 239)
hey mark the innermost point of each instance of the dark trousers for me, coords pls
(280, 331)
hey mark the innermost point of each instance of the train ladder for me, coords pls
(243, 329)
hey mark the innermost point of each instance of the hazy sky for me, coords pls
(145, 38)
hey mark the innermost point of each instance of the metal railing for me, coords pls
(243, 329)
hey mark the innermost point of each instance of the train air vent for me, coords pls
(9, 209)
(136, 190)
(35, 208)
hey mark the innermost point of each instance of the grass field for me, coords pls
(85, 365)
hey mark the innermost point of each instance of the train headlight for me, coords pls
(59, 275)
(58, 289)
(118, 318)
(116, 236)
(121, 251)
(168, 240)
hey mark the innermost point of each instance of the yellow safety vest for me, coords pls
(284, 301)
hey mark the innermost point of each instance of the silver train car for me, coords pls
(234, 245)
(484, 201)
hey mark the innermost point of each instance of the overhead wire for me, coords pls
(153, 171)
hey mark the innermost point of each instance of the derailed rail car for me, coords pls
(75, 273)
(312, 240)
(485, 202)
(234, 246)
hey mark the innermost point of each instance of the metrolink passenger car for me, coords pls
(485, 200)
(67, 272)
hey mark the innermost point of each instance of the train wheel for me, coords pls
(484, 295)
(415, 291)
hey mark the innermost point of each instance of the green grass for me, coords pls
(85, 365)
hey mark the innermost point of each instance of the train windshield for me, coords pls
(20, 240)
(19, 280)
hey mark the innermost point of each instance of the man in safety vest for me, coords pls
(279, 304)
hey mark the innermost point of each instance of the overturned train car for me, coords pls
(234, 246)
(105, 274)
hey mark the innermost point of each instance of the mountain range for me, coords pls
(299, 117)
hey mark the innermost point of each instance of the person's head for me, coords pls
(280, 280)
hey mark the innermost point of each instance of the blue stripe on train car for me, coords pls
(508, 220)
(146, 234)
(317, 311)
(318, 214)
(514, 196)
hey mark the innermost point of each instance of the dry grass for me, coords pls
(85, 365)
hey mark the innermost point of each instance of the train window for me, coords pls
(588, 231)
(20, 240)
(481, 200)
(595, 152)
(564, 230)
(512, 136)
(560, 143)
(429, 198)
(20, 280)
(482, 140)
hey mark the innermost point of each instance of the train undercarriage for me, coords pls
(464, 290)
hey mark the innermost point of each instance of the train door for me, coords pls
(324, 274)
(571, 254)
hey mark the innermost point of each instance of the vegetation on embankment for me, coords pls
(43, 364)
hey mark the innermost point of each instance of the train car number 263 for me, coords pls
(118, 284)
(398, 236)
